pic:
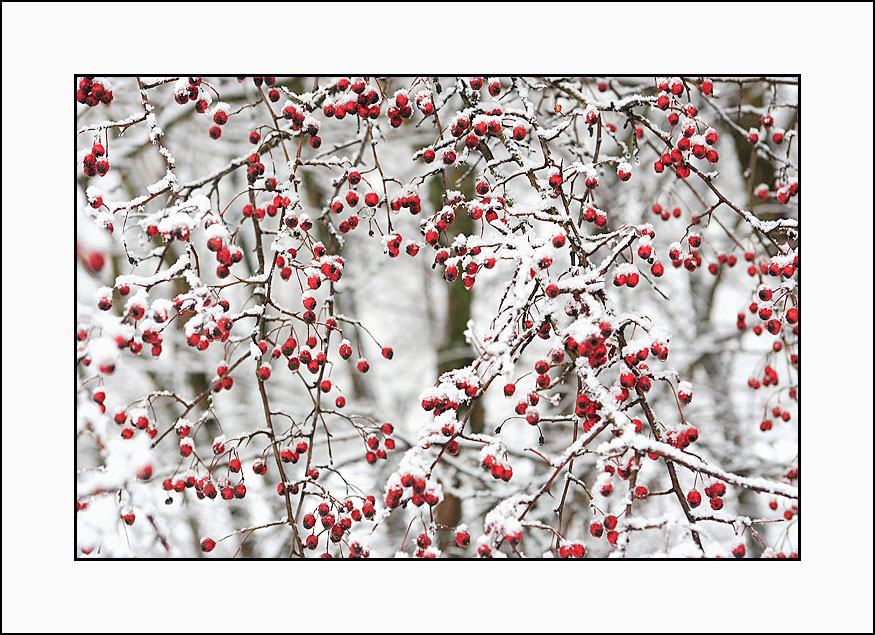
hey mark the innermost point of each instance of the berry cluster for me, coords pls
(93, 90)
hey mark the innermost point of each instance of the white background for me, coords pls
(829, 44)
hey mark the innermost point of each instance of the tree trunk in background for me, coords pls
(454, 352)
(344, 303)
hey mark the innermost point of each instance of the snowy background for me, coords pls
(407, 305)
